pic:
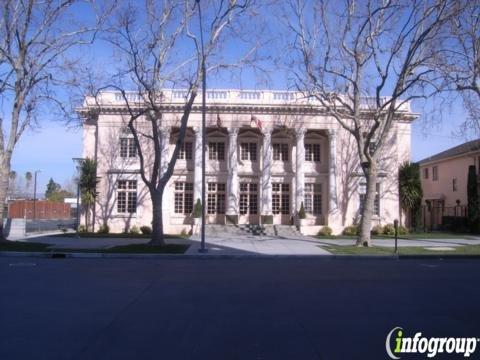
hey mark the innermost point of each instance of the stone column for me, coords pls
(232, 180)
(332, 180)
(266, 180)
(197, 176)
(300, 169)
(164, 144)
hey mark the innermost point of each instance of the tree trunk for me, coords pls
(364, 238)
(157, 221)
(4, 172)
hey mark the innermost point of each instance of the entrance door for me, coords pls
(248, 204)
(281, 203)
(216, 203)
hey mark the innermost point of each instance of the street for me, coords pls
(251, 308)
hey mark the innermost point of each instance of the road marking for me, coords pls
(429, 265)
(22, 264)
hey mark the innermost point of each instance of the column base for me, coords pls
(267, 219)
(231, 219)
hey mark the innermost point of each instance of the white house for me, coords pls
(267, 152)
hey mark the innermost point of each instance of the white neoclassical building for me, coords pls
(267, 152)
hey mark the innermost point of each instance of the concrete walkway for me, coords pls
(265, 245)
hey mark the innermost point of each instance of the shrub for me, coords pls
(351, 230)
(402, 230)
(325, 231)
(184, 232)
(146, 230)
(197, 209)
(377, 230)
(134, 230)
(82, 228)
(389, 229)
(104, 229)
(301, 212)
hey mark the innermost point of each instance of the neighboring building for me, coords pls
(444, 181)
(267, 152)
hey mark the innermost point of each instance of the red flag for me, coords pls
(257, 121)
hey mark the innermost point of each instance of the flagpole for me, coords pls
(203, 249)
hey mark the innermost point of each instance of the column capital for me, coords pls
(332, 132)
(165, 131)
(267, 131)
(233, 131)
(300, 132)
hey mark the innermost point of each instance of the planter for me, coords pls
(197, 222)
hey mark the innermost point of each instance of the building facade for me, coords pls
(267, 153)
(444, 179)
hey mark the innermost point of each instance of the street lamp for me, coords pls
(35, 194)
(77, 223)
(203, 249)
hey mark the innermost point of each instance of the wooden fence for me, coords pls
(44, 209)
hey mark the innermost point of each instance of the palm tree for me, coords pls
(28, 182)
(88, 186)
(12, 182)
(410, 189)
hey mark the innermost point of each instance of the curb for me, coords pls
(90, 255)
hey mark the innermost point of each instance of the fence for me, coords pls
(443, 217)
(44, 209)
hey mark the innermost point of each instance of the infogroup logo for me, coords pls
(418, 344)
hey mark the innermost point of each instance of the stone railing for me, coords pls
(227, 96)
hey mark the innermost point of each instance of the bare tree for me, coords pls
(37, 40)
(159, 47)
(459, 62)
(363, 61)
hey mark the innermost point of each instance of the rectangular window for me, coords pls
(312, 152)
(183, 198)
(127, 148)
(248, 198)
(186, 151)
(454, 184)
(425, 173)
(376, 202)
(216, 198)
(313, 198)
(126, 196)
(435, 173)
(248, 151)
(281, 198)
(216, 151)
(280, 152)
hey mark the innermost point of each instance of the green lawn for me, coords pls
(117, 235)
(412, 236)
(126, 249)
(21, 246)
(409, 250)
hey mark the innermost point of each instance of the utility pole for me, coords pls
(35, 194)
(203, 249)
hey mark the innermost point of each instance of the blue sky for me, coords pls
(52, 147)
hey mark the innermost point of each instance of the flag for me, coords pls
(257, 121)
(219, 121)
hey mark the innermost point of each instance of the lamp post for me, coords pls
(203, 249)
(35, 194)
(77, 221)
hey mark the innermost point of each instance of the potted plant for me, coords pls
(302, 216)
(197, 214)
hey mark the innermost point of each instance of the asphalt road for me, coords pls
(230, 309)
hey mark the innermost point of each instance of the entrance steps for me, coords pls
(284, 231)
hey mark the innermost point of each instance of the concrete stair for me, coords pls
(285, 231)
